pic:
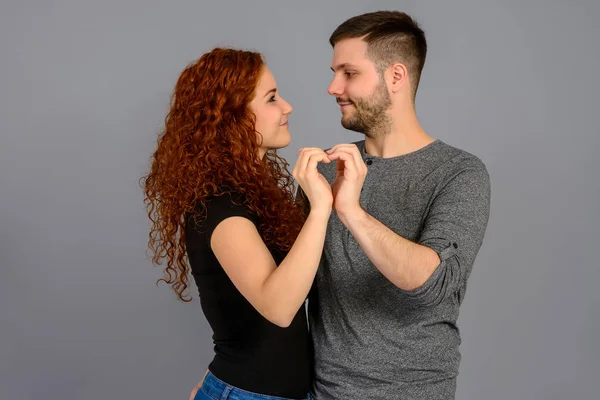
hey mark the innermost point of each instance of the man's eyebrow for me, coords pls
(343, 66)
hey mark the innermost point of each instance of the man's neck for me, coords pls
(405, 136)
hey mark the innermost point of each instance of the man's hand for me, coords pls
(351, 173)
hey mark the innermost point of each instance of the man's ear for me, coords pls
(399, 77)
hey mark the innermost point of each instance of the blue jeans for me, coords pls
(215, 389)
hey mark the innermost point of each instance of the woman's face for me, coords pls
(271, 112)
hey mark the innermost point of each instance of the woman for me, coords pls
(222, 200)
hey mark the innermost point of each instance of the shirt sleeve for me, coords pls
(454, 228)
(219, 208)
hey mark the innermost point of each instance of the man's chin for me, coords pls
(352, 126)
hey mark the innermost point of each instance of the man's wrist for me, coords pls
(349, 216)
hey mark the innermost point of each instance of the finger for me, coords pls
(350, 168)
(314, 160)
(300, 162)
(314, 157)
(195, 391)
(334, 148)
(302, 159)
(347, 147)
(356, 156)
(360, 163)
(355, 152)
(305, 156)
(340, 145)
(309, 148)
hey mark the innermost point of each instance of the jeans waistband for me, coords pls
(220, 390)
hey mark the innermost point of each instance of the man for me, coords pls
(410, 217)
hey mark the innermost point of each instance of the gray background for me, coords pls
(84, 88)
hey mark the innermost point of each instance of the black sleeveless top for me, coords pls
(251, 353)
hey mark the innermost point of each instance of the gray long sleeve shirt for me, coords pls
(371, 339)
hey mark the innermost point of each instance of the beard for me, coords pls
(369, 116)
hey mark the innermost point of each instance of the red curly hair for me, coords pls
(209, 147)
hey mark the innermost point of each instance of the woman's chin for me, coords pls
(285, 141)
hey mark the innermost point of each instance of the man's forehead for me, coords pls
(348, 53)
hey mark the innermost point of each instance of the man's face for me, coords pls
(359, 88)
